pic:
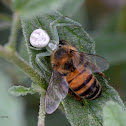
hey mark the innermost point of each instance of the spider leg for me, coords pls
(56, 23)
(41, 62)
(34, 48)
(53, 27)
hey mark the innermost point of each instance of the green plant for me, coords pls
(77, 115)
(114, 114)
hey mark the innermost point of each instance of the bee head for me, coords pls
(65, 51)
(60, 53)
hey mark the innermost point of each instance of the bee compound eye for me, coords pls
(39, 38)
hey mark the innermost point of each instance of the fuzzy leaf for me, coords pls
(37, 88)
(20, 90)
(77, 115)
(32, 7)
(114, 115)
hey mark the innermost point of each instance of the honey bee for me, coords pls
(73, 69)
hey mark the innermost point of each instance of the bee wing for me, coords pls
(93, 62)
(56, 91)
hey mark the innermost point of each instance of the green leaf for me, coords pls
(91, 114)
(20, 90)
(38, 89)
(114, 115)
(23, 50)
(33, 7)
(23, 53)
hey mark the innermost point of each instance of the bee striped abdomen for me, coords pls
(84, 84)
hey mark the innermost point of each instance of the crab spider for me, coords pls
(50, 45)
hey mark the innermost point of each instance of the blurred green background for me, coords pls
(104, 20)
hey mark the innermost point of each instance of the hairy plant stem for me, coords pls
(14, 58)
(14, 30)
(41, 117)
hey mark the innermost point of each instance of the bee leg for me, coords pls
(78, 98)
(103, 75)
(71, 93)
(41, 62)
